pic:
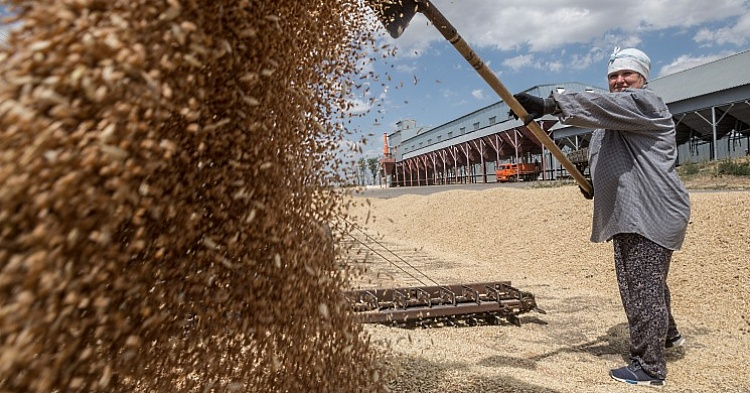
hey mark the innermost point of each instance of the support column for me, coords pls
(713, 130)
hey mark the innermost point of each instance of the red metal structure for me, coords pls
(466, 162)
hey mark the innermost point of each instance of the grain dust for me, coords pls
(165, 167)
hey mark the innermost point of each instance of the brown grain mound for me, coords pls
(538, 238)
(164, 167)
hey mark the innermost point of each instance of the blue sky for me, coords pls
(528, 43)
(533, 42)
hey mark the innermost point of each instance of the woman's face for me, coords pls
(623, 79)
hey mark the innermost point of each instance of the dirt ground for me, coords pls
(538, 238)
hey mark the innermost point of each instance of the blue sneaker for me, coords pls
(634, 375)
(674, 342)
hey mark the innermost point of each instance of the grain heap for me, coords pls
(164, 166)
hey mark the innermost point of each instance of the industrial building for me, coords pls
(710, 105)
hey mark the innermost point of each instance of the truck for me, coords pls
(580, 158)
(508, 172)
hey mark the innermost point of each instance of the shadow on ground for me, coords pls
(416, 374)
(614, 342)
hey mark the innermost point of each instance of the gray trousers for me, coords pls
(642, 267)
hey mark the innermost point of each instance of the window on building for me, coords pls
(440, 137)
(450, 134)
(493, 120)
(463, 130)
(476, 126)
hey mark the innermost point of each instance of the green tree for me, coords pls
(373, 164)
(362, 172)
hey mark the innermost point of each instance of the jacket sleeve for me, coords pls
(634, 110)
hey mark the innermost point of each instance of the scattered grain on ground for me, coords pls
(538, 238)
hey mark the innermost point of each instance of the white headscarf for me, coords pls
(629, 59)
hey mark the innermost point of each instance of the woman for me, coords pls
(641, 204)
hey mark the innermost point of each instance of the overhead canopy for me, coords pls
(713, 93)
(708, 102)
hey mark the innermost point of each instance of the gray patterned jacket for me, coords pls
(632, 157)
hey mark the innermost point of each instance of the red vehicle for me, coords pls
(516, 172)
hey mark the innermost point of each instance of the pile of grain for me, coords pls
(538, 238)
(164, 170)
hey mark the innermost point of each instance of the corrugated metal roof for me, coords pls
(728, 73)
(719, 75)
(476, 125)
(544, 90)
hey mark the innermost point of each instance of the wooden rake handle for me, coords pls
(450, 34)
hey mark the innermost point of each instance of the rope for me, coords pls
(390, 251)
